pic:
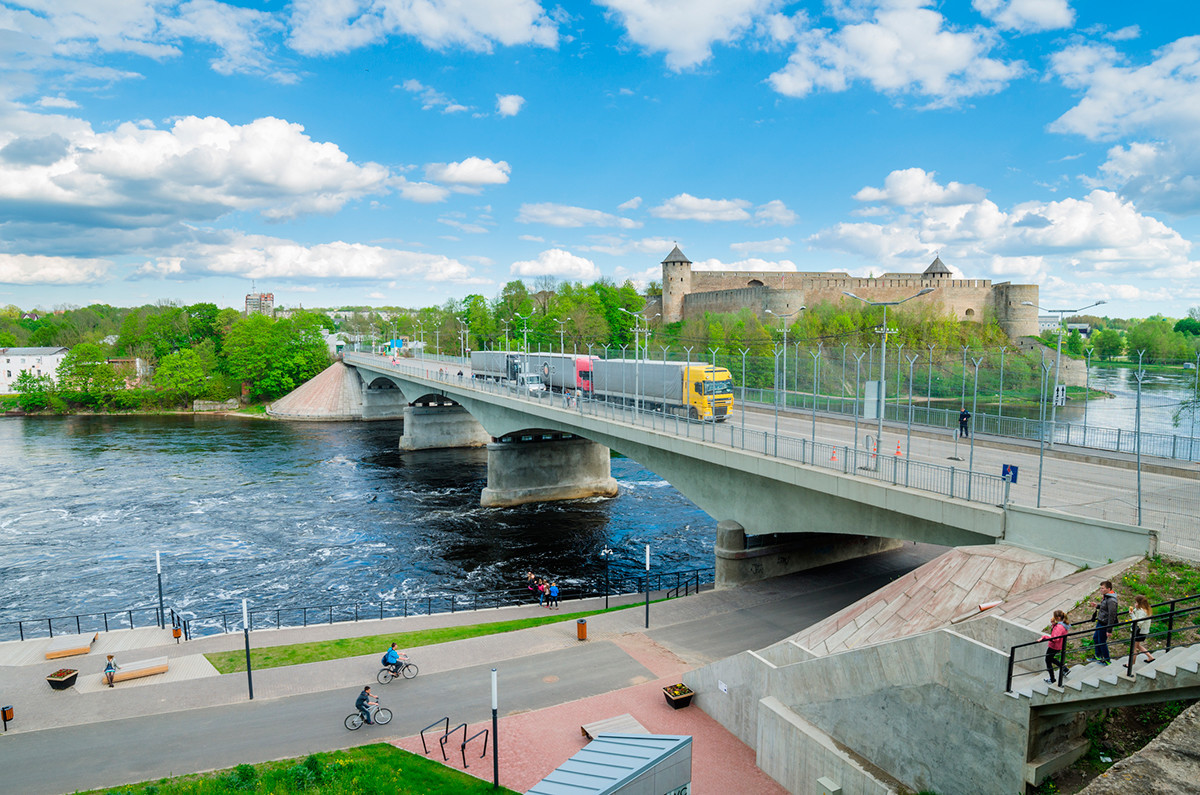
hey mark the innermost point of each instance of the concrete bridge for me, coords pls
(825, 504)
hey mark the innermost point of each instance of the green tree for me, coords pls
(33, 391)
(8, 339)
(84, 369)
(1108, 343)
(183, 373)
(1074, 343)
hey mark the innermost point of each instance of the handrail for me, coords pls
(1169, 632)
(463, 748)
(446, 720)
(104, 615)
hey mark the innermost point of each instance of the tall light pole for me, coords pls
(606, 554)
(505, 322)
(462, 333)
(525, 344)
(783, 319)
(562, 345)
(883, 356)
(1058, 353)
(637, 356)
(420, 324)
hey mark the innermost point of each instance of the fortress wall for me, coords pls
(1014, 317)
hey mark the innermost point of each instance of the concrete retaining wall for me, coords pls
(1079, 540)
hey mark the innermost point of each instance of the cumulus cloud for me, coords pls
(1027, 16)
(686, 29)
(559, 263)
(420, 192)
(751, 264)
(913, 186)
(632, 204)
(774, 246)
(199, 169)
(619, 246)
(567, 216)
(686, 207)
(1159, 100)
(901, 47)
(320, 27)
(57, 102)
(27, 269)
(774, 213)
(509, 104)
(431, 98)
(470, 174)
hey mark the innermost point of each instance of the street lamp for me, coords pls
(1058, 354)
(883, 357)
(606, 555)
(783, 321)
(462, 333)
(562, 345)
(637, 356)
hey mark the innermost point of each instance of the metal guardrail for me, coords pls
(31, 628)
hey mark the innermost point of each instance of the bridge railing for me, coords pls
(958, 482)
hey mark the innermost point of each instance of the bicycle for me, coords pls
(380, 715)
(407, 670)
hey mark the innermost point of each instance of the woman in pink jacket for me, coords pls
(1057, 641)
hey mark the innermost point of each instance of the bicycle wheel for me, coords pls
(383, 716)
(409, 671)
(353, 721)
(384, 676)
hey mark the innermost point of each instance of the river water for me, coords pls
(289, 514)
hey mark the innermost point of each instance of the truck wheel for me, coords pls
(693, 414)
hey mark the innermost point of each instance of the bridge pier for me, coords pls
(736, 564)
(432, 426)
(382, 400)
(544, 467)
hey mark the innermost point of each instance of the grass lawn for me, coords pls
(379, 768)
(297, 653)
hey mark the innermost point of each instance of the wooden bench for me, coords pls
(136, 670)
(621, 724)
(70, 645)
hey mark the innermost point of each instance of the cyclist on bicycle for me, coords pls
(364, 702)
(392, 659)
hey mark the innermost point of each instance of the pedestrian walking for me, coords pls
(1106, 617)
(553, 596)
(964, 417)
(1056, 648)
(1141, 627)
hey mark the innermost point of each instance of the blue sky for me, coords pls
(405, 152)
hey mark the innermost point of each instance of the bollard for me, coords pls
(7, 714)
(581, 628)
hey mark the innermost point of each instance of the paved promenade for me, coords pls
(550, 683)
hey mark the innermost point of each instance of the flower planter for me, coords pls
(678, 696)
(62, 679)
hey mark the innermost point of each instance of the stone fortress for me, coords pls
(688, 293)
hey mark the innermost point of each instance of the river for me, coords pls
(288, 514)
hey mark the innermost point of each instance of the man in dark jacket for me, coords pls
(964, 417)
(364, 702)
(1106, 617)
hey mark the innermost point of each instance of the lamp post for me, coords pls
(525, 338)
(505, 322)
(246, 632)
(1058, 353)
(744, 351)
(975, 429)
(495, 741)
(647, 586)
(606, 555)
(912, 360)
(783, 322)
(637, 357)
(161, 612)
(562, 345)
(929, 388)
(883, 356)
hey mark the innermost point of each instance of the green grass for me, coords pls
(368, 769)
(299, 653)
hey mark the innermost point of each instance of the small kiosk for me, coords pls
(624, 764)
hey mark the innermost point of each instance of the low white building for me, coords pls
(36, 361)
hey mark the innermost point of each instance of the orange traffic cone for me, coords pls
(833, 457)
(898, 449)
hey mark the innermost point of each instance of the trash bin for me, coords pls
(581, 628)
(6, 713)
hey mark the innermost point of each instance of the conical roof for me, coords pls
(937, 266)
(335, 393)
(676, 256)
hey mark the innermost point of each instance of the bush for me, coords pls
(242, 777)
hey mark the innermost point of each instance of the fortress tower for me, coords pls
(676, 283)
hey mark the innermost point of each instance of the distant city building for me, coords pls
(261, 303)
(689, 293)
(137, 369)
(1050, 323)
(35, 361)
(31, 316)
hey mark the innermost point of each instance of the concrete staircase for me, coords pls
(1173, 674)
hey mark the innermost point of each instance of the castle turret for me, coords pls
(676, 283)
(937, 270)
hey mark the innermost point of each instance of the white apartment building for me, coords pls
(38, 361)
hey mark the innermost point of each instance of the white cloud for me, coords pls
(56, 102)
(567, 216)
(321, 27)
(751, 264)
(686, 29)
(774, 212)
(26, 269)
(903, 48)
(472, 173)
(776, 245)
(431, 98)
(686, 207)
(1027, 16)
(1160, 100)
(531, 238)
(463, 226)
(913, 186)
(632, 204)
(619, 246)
(509, 104)
(420, 192)
(199, 169)
(556, 262)
(1127, 33)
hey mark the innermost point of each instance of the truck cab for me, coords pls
(530, 383)
(709, 392)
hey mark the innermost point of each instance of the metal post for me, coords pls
(647, 586)
(1137, 424)
(842, 386)
(1195, 400)
(912, 360)
(606, 553)
(962, 402)
(776, 383)
(879, 446)
(975, 427)
(246, 632)
(1000, 409)
(161, 612)
(495, 734)
(857, 373)
(744, 352)
(816, 368)
(899, 355)
(1087, 394)
(929, 388)
(1042, 428)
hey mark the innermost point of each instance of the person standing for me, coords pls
(964, 417)
(110, 670)
(553, 596)
(1141, 627)
(1055, 648)
(541, 590)
(1106, 617)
